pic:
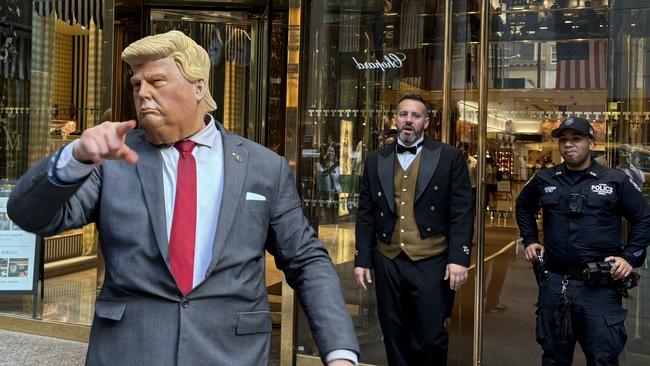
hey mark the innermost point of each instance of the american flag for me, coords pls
(581, 65)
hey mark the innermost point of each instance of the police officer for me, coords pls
(583, 203)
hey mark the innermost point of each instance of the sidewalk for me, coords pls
(22, 349)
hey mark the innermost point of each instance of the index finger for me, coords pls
(122, 128)
(452, 281)
(128, 154)
(361, 282)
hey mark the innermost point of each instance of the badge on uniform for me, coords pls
(549, 189)
(602, 189)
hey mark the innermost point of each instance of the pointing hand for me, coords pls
(105, 142)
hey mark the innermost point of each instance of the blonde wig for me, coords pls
(192, 59)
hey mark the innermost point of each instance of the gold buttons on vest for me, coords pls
(401, 230)
(405, 176)
(402, 217)
(401, 244)
(403, 203)
(432, 208)
(403, 189)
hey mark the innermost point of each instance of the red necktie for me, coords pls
(183, 233)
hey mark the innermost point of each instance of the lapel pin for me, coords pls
(236, 157)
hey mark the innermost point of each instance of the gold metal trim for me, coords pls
(73, 332)
(477, 352)
(292, 153)
(446, 81)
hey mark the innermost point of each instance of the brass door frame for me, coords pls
(477, 342)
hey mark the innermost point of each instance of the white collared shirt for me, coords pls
(208, 153)
(209, 174)
(406, 158)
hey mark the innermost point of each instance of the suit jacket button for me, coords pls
(432, 208)
(381, 214)
(429, 229)
(435, 188)
(185, 303)
(383, 235)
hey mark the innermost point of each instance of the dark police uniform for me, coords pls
(570, 241)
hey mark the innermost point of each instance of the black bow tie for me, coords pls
(412, 149)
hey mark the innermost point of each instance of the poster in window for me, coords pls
(17, 252)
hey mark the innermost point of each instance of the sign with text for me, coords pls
(17, 251)
(393, 60)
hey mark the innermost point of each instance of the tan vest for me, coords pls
(406, 236)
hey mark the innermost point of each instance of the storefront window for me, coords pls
(50, 77)
(550, 60)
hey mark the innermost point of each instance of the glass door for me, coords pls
(237, 42)
(359, 59)
(549, 60)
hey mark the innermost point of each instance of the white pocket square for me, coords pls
(250, 196)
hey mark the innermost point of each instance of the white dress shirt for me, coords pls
(208, 153)
(209, 176)
(406, 158)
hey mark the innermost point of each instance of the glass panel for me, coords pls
(629, 128)
(50, 79)
(550, 60)
(231, 39)
(360, 57)
(464, 135)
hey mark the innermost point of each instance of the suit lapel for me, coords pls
(149, 169)
(428, 165)
(235, 162)
(385, 169)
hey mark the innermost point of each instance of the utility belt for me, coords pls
(571, 273)
(592, 273)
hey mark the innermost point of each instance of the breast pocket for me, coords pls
(605, 202)
(549, 199)
(257, 205)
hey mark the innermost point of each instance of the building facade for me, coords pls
(318, 82)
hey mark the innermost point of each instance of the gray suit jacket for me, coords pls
(141, 317)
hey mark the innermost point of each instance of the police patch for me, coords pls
(549, 189)
(602, 189)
